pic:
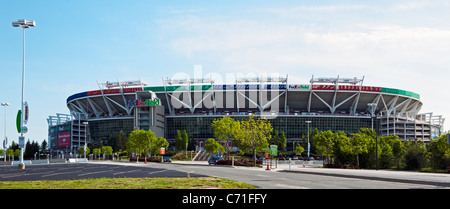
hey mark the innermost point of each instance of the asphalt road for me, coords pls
(255, 176)
(84, 171)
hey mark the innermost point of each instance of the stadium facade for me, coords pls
(337, 104)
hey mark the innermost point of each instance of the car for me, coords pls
(213, 160)
(167, 160)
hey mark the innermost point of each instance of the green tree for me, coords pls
(96, 152)
(439, 152)
(299, 149)
(414, 154)
(212, 146)
(107, 150)
(184, 139)
(359, 144)
(340, 147)
(253, 134)
(118, 141)
(323, 141)
(178, 141)
(81, 150)
(223, 131)
(156, 144)
(10, 152)
(282, 143)
(139, 141)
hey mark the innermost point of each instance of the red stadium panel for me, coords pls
(323, 87)
(348, 88)
(91, 93)
(371, 88)
(131, 90)
(111, 91)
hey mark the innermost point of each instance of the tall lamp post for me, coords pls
(5, 140)
(372, 107)
(24, 24)
(309, 146)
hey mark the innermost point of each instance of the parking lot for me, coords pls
(85, 170)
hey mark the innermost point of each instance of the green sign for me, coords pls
(18, 119)
(273, 150)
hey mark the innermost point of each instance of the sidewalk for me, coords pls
(436, 179)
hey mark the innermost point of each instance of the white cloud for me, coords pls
(410, 57)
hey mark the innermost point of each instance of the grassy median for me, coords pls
(130, 183)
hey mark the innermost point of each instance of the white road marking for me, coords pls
(84, 174)
(126, 172)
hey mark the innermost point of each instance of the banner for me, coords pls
(64, 139)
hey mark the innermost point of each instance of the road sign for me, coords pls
(21, 142)
(24, 129)
(26, 109)
(163, 151)
(273, 150)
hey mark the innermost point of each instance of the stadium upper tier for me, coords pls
(244, 99)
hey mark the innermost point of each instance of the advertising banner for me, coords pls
(64, 139)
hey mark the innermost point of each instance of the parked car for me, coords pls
(167, 160)
(213, 160)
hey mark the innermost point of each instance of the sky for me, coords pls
(395, 44)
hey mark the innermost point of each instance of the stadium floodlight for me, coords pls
(24, 24)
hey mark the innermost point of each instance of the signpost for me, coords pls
(273, 151)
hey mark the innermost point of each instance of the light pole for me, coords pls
(372, 107)
(85, 137)
(24, 24)
(5, 140)
(308, 122)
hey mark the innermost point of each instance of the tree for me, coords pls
(340, 147)
(323, 141)
(81, 150)
(179, 141)
(31, 148)
(107, 150)
(96, 152)
(223, 131)
(414, 154)
(44, 146)
(359, 144)
(253, 134)
(275, 138)
(439, 152)
(299, 149)
(139, 141)
(184, 139)
(212, 146)
(282, 143)
(118, 141)
(156, 144)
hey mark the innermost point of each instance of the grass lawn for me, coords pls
(130, 183)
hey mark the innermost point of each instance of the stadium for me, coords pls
(336, 104)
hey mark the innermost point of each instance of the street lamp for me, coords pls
(5, 140)
(308, 122)
(372, 107)
(24, 24)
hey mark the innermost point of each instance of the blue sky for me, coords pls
(398, 44)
